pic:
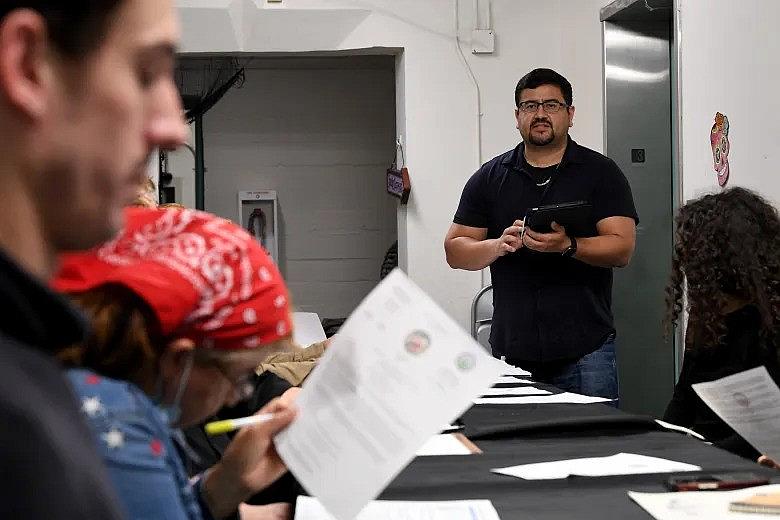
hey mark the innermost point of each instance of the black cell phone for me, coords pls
(715, 481)
(574, 216)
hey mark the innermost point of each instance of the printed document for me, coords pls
(308, 508)
(565, 397)
(520, 390)
(699, 505)
(398, 369)
(749, 402)
(512, 380)
(444, 444)
(619, 464)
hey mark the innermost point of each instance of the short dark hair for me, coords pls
(76, 27)
(538, 77)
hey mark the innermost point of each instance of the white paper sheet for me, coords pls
(513, 379)
(510, 370)
(520, 390)
(702, 505)
(619, 464)
(445, 444)
(565, 397)
(308, 508)
(749, 402)
(307, 328)
(681, 429)
(398, 369)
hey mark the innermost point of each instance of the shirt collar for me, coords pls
(33, 314)
(572, 155)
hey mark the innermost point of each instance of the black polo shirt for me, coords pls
(546, 307)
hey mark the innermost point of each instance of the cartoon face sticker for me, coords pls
(719, 139)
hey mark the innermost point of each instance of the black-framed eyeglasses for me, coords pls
(550, 106)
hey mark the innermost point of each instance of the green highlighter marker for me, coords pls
(229, 425)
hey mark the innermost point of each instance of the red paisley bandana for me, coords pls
(204, 277)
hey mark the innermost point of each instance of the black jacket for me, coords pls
(50, 468)
(742, 349)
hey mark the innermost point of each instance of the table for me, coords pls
(521, 434)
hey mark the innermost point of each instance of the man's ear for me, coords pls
(571, 116)
(25, 67)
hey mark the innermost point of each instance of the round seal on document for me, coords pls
(741, 399)
(417, 342)
(466, 361)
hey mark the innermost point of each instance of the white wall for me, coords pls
(181, 163)
(728, 64)
(436, 104)
(321, 132)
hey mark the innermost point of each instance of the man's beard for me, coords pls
(541, 141)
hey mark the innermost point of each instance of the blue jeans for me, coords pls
(594, 374)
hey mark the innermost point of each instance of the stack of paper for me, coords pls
(444, 444)
(308, 508)
(398, 369)
(701, 505)
(681, 429)
(510, 370)
(520, 390)
(512, 380)
(565, 397)
(620, 464)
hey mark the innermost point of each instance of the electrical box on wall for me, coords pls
(258, 214)
(483, 41)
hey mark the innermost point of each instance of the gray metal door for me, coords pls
(638, 137)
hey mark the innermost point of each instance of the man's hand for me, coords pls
(555, 242)
(509, 241)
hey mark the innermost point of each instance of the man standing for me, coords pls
(552, 291)
(86, 94)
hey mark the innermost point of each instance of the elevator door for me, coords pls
(638, 137)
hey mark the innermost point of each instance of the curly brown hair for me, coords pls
(727, 247)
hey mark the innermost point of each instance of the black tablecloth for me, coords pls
(522, 434)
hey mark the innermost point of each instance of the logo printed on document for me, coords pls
(417, 342)
(741, 399)
(466, 361)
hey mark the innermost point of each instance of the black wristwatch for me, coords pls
(572, 249)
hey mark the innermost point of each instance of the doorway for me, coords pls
(313, 133)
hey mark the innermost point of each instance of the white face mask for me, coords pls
(172, 411)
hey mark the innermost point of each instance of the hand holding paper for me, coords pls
(749, 402)
(398, 369)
